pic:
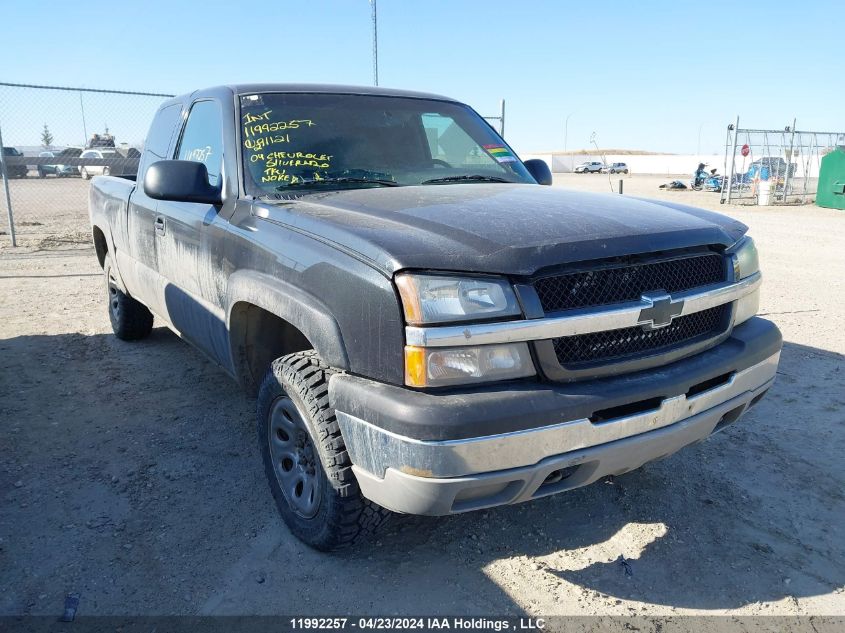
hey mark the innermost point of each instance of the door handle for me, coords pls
(159, 225)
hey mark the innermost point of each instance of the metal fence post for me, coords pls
(733, 161)
(6, 188)
(789, 162)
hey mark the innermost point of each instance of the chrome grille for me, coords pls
(627, 280)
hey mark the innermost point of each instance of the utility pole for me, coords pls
(84, 127)
(375, 42)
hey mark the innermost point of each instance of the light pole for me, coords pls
(566, 135)
(698, 150)
(84, 128)
(375, 42)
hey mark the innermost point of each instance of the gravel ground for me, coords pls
(130, 472)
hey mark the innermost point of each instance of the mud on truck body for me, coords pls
(427, 328)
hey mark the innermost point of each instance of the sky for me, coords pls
(657, 76)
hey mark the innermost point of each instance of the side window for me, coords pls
(158, 138)
(202, 139)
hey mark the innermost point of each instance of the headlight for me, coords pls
(443, 366)
(443, 299)
(746, 263)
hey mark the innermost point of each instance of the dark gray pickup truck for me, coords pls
(427, 329)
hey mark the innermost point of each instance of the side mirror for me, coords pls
(539, 170)
(180, 181)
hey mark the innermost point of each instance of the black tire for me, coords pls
(335, 515)
(130, 319)
(625, 172)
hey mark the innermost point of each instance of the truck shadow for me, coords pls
(158, 476)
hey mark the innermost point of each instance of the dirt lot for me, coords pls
(130, 474)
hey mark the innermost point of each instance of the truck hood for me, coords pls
(511, 229)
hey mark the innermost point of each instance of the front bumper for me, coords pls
(435, 454)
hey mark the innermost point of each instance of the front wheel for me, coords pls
(305, 458)
(84, 173)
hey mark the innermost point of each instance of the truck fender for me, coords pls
(100, 221)
(298, 308)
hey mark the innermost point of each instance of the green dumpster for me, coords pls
(831, 191)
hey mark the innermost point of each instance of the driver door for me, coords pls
(187, 259)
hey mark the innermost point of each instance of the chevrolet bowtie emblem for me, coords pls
(661, 311)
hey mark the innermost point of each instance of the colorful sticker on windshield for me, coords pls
(500, 153)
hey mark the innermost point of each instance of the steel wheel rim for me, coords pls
(114, 297)
(294, 457)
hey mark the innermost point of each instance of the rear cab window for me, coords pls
(158, 138)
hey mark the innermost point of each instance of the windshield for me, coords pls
(324, 141)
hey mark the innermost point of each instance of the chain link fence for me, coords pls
(773, 167)
(54, 140)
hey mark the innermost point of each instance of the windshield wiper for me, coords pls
(339, 180)
(464, 178)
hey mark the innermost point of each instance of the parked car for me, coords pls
(59, 170)
(615, 168)
(15, 165)
(86, 171)
(592, 167)
(426, 328)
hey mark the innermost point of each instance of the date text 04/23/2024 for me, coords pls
(419, 623)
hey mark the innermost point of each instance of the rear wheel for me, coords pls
(130, 319)
(305, 458)
(84, 173)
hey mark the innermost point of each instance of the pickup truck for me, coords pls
(426, 328)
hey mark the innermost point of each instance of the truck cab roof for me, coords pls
(254, 88)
